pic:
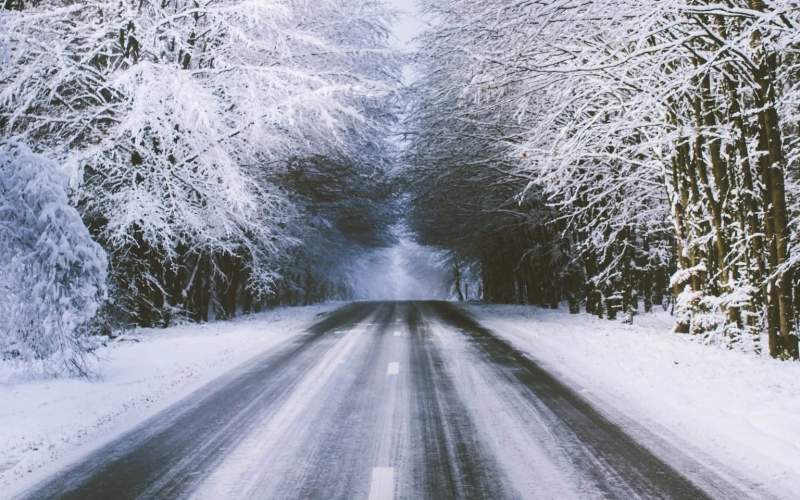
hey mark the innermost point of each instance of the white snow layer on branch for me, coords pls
(52, 274)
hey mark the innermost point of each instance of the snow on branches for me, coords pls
(661, 134)
(52, 274)
(178, 120)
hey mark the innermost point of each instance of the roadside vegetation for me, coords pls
(618, 155)
(225, 156)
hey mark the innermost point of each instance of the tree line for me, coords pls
(225, 155)
(618, 154)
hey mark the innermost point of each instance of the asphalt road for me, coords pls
(384, 400)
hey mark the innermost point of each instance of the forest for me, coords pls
(618, 155)
(180, 161)
(175, 160)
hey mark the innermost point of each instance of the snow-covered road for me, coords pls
(385, 400)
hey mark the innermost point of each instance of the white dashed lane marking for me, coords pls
(393, 368)
(382, 485)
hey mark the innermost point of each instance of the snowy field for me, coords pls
(44, 423)
(719, 407)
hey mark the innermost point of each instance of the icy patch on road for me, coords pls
(738, 409)
(529, 451)
(239, 476)
(46, 423)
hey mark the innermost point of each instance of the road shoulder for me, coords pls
(723, 409)
(49, 423)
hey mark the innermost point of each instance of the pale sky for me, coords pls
(409, 23)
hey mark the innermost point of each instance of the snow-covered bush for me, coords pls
(52, 274)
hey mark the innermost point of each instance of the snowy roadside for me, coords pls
(719, 407)
(45, 423)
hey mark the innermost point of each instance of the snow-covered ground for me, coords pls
(731, 411)
(47, 422)
(734, 413)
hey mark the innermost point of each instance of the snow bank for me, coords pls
(45, 423)
(718, 406)
(52, 273)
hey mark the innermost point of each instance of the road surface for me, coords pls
(382, 400)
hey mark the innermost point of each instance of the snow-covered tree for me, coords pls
(179, 120)
(52, 274)
(660, 134)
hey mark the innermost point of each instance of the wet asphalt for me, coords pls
(381, 400)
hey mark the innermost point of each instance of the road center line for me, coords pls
(382, 485)
(393, 368)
